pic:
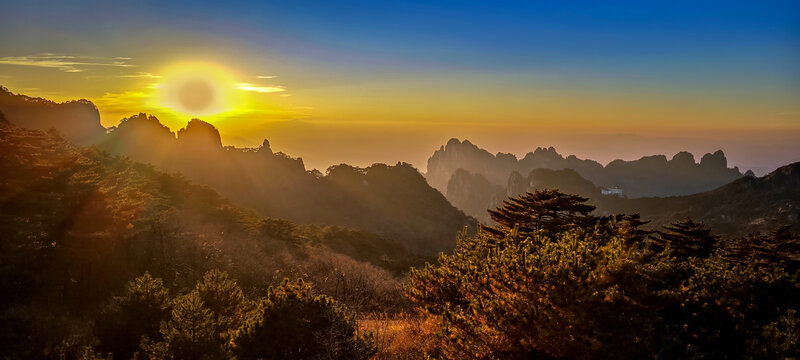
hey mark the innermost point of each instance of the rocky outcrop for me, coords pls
(78, 121)
(464, 155)
(200, 135)
(142, 138)
(473, 194)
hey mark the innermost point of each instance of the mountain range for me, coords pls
(647, 176)
(399, 204)
(393, 201)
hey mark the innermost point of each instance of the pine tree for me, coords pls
(223, 297)
(549, 211)
(136, 314)
(686, 239)
(778, 246)
(190, 334)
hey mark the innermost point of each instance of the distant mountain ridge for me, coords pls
(648, 176)
(744, 206)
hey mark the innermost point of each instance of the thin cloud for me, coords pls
(141, 74)
(261, 89)
(266, 76)
(65, 63)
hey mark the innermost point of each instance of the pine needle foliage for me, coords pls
(558, 283)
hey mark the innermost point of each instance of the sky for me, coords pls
(360, 82)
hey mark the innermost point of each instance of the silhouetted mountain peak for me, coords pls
(543, 154)
(78, 120)
(717, 160)
(506, 157)
(265, 148)
(199, 133)
(143, 122)
(653, 175)
(750, 173)
(683, 159)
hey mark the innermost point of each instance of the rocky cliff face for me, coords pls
(200, 135)
(78, 121)
(473, 194)
(464, 155)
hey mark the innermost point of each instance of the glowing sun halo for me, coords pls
(198, 89)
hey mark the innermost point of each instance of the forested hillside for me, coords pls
(103, 257)
(79, 223)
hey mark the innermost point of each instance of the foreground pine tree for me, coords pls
(552, 281)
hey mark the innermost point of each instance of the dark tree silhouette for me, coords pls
(550, 211)
(685, 239)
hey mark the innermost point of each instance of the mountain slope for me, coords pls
(77, 223)
(744, 206)
(392, 201)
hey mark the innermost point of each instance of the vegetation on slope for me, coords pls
(79, 223)
(552, 281)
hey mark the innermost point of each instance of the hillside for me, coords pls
(744, 206)
(392, 201)
(77, 223)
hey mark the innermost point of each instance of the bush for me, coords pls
(291, 323)
(574, 286)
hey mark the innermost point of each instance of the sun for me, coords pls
(198, 89)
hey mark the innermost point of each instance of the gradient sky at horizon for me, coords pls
(386, 81)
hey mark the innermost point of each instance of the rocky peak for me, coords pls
(683, 159)
(517, 184)
(265, 149)
(147, 127)
(200, 133)
(78, 120)
(714, 161)
(543, 154)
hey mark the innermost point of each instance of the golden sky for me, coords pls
(388, 82)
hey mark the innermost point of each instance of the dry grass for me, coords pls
(403, 336)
